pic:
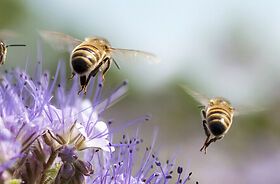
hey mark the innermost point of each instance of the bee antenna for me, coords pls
(16, 45)
(116, 64)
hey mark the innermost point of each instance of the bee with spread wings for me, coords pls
(217, 114)
(90, 56)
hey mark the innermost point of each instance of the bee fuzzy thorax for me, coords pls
(99, 41)
(220, 103)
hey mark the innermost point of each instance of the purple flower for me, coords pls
(49, 134)
(131, 162)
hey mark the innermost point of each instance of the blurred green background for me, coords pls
(218, 48)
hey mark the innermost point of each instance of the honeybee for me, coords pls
(4, 47)
(217, 115)
(90, 56)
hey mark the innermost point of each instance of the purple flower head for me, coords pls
(50, 134)
(39, 118)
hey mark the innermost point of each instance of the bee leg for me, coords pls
(212, 140)
(107, 64)
(82, 89)
(207, 133)
(83, 83)
(203, 113)
(72, 76)
(85, 80)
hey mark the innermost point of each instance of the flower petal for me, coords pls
(101, 143)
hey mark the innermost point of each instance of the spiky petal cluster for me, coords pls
(133, 163)
(40, 120)
(49, 134)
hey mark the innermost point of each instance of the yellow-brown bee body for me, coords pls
(217, 114)
(90, 56)
(216, 119)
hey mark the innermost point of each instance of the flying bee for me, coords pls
(4, 47)
(217, 115)
(90, 56)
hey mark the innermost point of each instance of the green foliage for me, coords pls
(13, 181)
(11, 11)
(52, 173)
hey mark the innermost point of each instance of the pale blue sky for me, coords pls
(188, 37)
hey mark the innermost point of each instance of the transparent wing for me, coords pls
(248, 109)
(134, 55)
(203, 100)
(59, 40)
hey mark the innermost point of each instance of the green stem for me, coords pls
(48, 165)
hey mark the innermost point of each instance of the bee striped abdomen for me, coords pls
(84, 57)
(219, 120)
